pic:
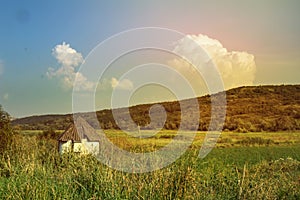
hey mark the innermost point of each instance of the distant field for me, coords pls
(226, 139)
(147, 138)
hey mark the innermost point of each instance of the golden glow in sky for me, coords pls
(44, 43)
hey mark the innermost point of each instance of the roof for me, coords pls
(81, 130)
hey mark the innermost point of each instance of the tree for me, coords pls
(5, 130)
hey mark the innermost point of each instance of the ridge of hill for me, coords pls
(249, 108)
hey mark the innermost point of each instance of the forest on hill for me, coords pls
(248, 109)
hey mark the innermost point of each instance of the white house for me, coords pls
(79, 138)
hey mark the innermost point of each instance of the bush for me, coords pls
(48, 134)
(255, 141)
(6, 132)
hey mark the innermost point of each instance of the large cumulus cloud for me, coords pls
(237, 68)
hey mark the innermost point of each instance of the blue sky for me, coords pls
(30, 30)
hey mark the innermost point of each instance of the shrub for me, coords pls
(6, 132)
(48, 134)
(255, 141)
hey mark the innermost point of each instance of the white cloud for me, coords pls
(5, 96)
(124, 84)
(67, 56)
(236, 68)
(82, 83)
(69, 59)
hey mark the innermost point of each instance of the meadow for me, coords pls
(242, 166)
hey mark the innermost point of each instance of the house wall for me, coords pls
(79, 147)
(65, 146)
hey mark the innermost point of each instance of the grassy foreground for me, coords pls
(239, 168)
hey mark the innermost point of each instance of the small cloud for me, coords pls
(124, 84)
(5, 96)
(69, 59)
(104, 84)
(82, 84)
(114, 82)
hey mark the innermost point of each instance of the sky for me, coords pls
(43, 44)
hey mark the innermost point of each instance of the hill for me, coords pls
(251, 108)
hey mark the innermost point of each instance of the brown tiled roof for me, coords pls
(82, 130)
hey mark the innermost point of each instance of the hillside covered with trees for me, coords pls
(249, 109)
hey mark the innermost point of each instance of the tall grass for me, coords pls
(32, 169)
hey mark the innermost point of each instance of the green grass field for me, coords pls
(241, 166)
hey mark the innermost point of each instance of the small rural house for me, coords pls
(79, 138)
